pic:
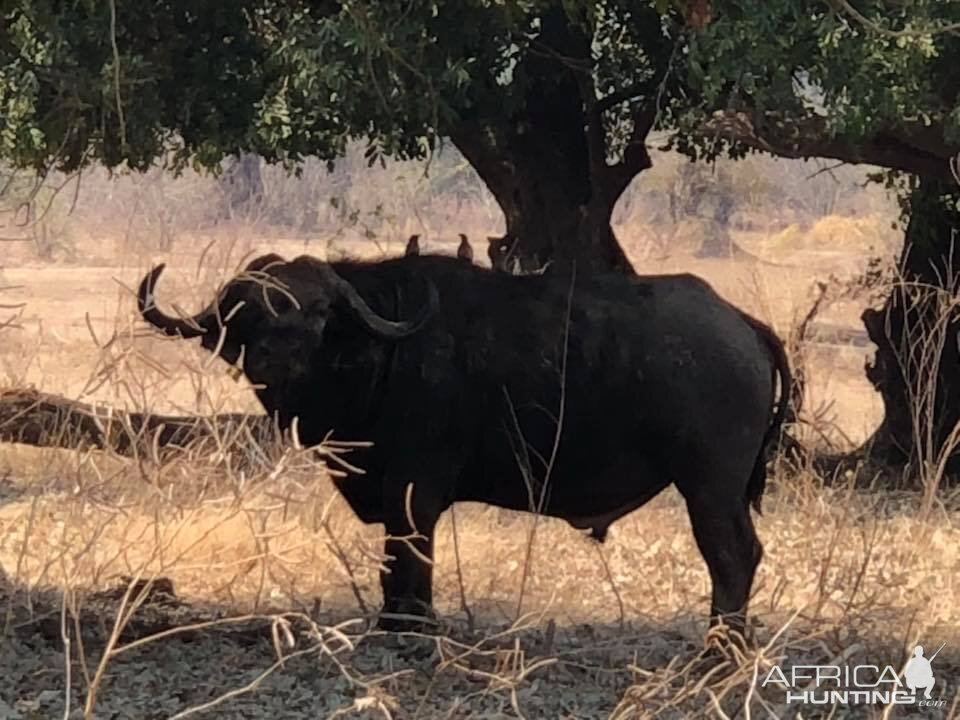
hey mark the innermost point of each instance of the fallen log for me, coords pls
(830, 334)
(45, 420)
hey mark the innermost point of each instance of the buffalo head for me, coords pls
(270, 319)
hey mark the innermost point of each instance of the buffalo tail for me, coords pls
(781, 367)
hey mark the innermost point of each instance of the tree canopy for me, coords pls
(877, 83)
(126, 82)
(551, 102)
(532, 92)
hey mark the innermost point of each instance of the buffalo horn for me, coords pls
(380, 326)
(153, 315)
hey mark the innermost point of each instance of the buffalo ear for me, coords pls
(264, 262)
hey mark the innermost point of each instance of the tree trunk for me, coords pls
(552, 216)
(540, 175)
(917, 366)
(546, 163)
(241, 186)
(717, 242)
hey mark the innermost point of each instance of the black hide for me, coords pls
(581, 398)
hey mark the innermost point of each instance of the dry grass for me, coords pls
(613, 629)
(844, 569)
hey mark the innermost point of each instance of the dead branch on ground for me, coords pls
(45, 420)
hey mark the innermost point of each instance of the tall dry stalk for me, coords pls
(537, 496)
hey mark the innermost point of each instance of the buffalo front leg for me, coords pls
(407, 576)
(729, 545)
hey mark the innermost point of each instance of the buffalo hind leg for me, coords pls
(407, 577)
(729, 545)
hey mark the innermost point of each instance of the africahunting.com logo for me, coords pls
(860, 684)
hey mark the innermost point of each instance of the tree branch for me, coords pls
(486, 150)
(915, 148)
(608, 102)
(636, 159)
(844, 6)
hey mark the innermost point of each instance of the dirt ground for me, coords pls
(539, 620)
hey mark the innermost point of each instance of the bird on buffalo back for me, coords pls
(413, 246)
(464, 250)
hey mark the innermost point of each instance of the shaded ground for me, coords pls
(605, 629)
(533, 670)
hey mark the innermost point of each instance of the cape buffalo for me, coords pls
(580, 397)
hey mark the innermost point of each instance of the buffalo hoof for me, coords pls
(726, 646)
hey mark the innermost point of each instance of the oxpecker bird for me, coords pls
(413, 245)
(464, 251)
